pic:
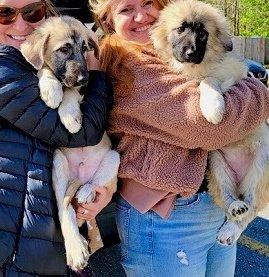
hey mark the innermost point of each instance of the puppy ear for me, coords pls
(228, 46)
(33, 49)
(225, 39)
(93, 44)
(158, 36)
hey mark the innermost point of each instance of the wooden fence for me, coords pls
(252, 48)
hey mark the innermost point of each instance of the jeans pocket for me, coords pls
(188, 201)
(123, 222)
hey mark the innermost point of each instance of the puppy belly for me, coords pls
(83, 163)
(83, 171)
(239, 161)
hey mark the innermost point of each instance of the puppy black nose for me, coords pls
(189, 51)
(82, 81)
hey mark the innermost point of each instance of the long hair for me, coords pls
(113, 48)
(50, 9)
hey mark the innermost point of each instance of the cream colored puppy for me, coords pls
(61, 76)
(192, 37)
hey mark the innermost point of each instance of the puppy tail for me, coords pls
(73, 186)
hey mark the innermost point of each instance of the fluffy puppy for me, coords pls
(192, 37)
(60, 51)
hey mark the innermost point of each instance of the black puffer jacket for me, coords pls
(30, 236)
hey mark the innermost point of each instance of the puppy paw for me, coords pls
(77, 253)
(211, 103)
(51, 91)
(85, 194)
(229, 233)
(238, 210)
(214, 110)
(71, 119)
(73, 125)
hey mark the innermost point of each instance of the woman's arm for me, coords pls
(164, 106)
(22, 106)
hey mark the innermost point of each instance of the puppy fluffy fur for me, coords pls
(76, 171)
(216, 72)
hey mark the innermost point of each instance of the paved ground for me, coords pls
(253, 250)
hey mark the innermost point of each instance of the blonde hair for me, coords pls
(101, 10)
(50, 9)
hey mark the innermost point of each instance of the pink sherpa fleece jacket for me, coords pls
(161, 134)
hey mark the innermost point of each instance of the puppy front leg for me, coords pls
(211, 100)
(51, 90)
(106, 175)
(77, 252)
(69, 110)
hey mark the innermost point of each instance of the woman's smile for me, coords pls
(142, 29)
(132, 19)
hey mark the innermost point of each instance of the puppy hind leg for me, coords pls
(223, 187)
(94, 236)
(224, 175)
(231, 230)
(106, 175)
(256, 176)
(73, 187)
(77, 252)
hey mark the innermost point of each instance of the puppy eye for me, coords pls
(183, 26)
(91, 47)
(84, 48)
(65, 49)
(180, 29)
(203, 34)
(199, 26)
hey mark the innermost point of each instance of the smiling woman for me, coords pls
(31, 242)
(167, 221)
(132, 19)
(18, 19)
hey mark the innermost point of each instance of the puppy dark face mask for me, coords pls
(189, 42)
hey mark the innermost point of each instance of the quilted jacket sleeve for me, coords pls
(22, 106)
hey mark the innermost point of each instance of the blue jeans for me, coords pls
(182, 246)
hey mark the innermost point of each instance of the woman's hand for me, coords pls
(90, 210)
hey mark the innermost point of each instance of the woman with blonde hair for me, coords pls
(31, 243)
(167, 221)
